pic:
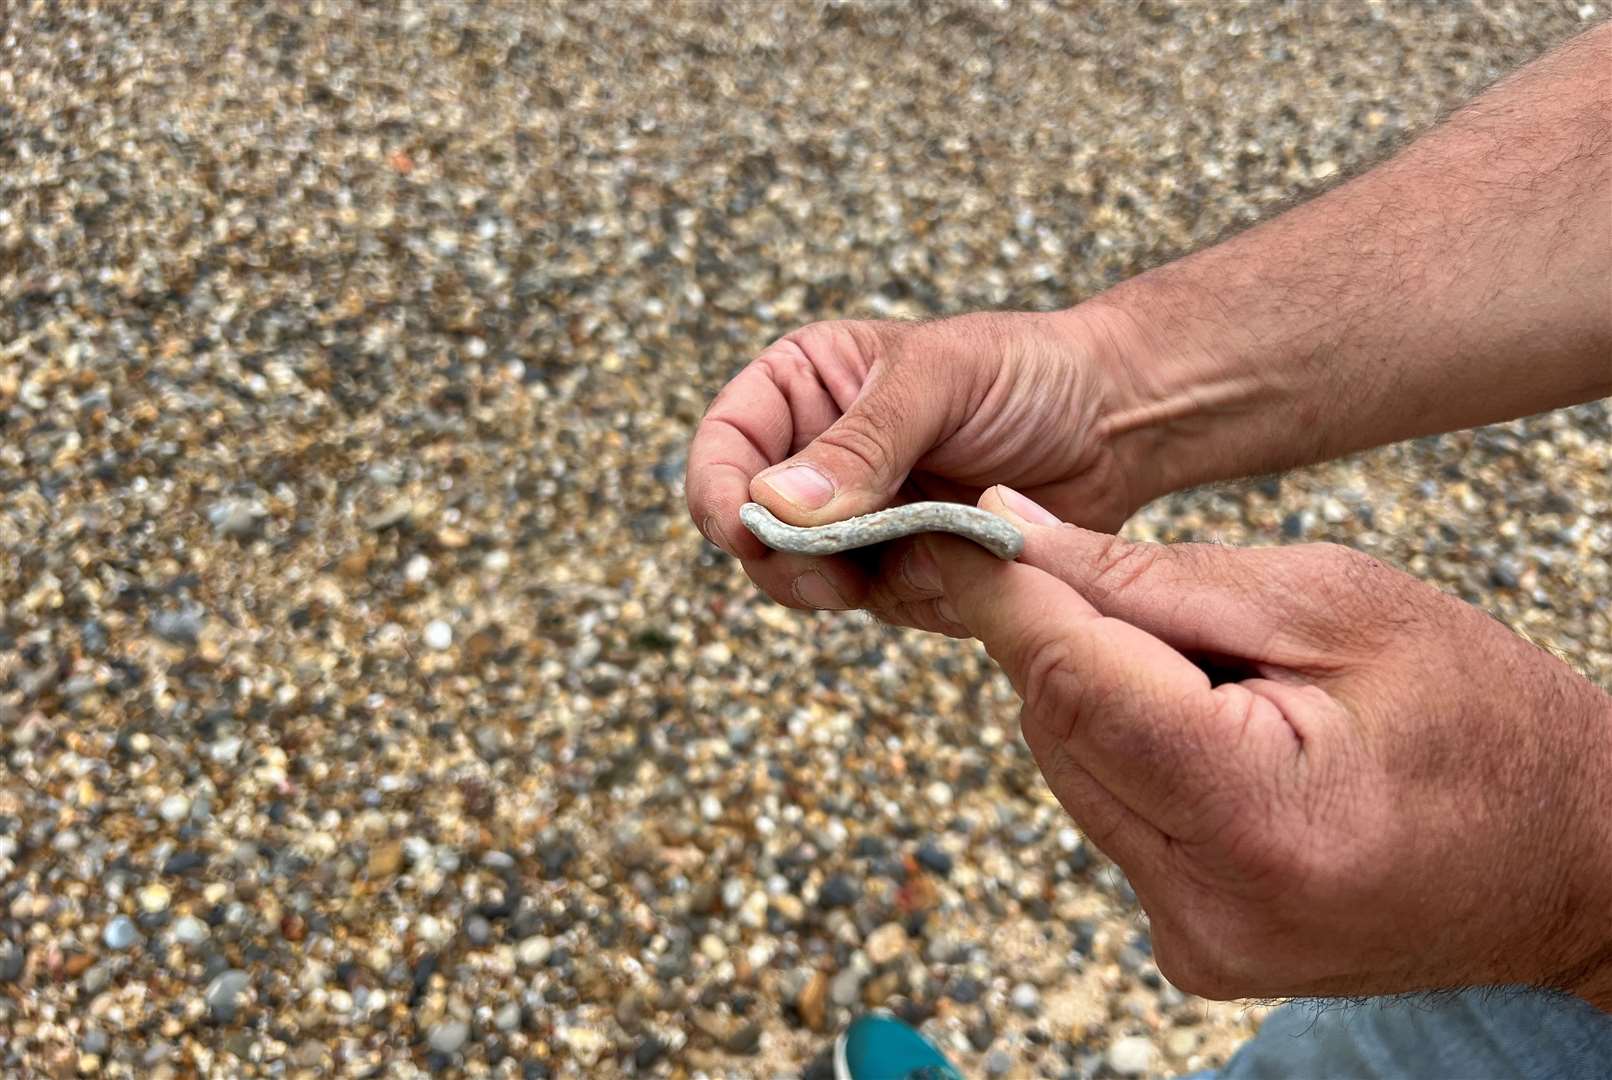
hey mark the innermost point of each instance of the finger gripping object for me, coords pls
(984, 528)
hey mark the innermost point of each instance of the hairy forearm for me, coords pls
(1464, 281)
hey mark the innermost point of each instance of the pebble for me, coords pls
(534, 951)
(119, 933)
(1026, 998)
(154, 898)
(448, 1036)
(438, 635)
(190, 931)
(12, 960)
(837, 891)
(223, 994)
(933, 859)
(174, 809)
(997, 1063)
(1130, 1056)
(845, 988)
(887, 943)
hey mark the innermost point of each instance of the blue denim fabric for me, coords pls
(1492, 1034)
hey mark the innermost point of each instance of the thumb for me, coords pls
(861, 460)
(1199, 598)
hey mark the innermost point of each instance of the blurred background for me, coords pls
(367, 703)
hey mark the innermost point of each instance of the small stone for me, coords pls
(710, 807)
(887, 943)
(154, 898)
(647, 1052)
(982, 1033)
(12, 961)
(182, 627)
(534, 951)
(846, 987)
(120, 933)
(448, 1036)
(745, 1039)
(385, 859)
(94, 1041)
(174, 809)
(1025, 998)
(965, 991)
(1130, 1056)
(392, 514)
(1181, 1043)
(712, 949)
(586, 1043)
(931, 858)
(507, 1018)
(236, 518)
(1505, 574)
(417, 569)
(837, 891)
(789, 908)
(813, 1002)
(438, 635)
(939, 793)
(223, 995)
(997, 1063)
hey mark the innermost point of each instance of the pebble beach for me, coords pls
(369, 706)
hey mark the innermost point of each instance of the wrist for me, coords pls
(1591, 977)
(1197, 398)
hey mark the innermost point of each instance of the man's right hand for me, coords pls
(843, 418)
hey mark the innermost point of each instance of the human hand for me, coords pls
(1321, 776)
(843, 418)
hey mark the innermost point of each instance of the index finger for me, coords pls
(765, 413)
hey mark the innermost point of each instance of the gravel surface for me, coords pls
(367, 703)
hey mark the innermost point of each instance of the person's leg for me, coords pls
(1496, 1033)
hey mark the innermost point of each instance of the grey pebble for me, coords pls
(448, 1036)
(120, 933)
(190, 931)
(12, 959)
(846, 987)
(970, 522)
(223, 994)
(997, 1063)
(94, 1041)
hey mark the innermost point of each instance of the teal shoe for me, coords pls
(880, 1047)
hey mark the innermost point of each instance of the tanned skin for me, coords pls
(1307, 763)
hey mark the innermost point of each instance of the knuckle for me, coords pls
(1121, 564)
(1046, 667)
(859, 441)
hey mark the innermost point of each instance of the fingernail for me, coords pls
(920, 570)
(802, 485)
(943, 608)
(814, 590)
(713, 532)
(1028, 510)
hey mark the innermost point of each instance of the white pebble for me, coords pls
(417, 569)
(1131, 1056)
(710, 807)
(174, 809)
(438, 634)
